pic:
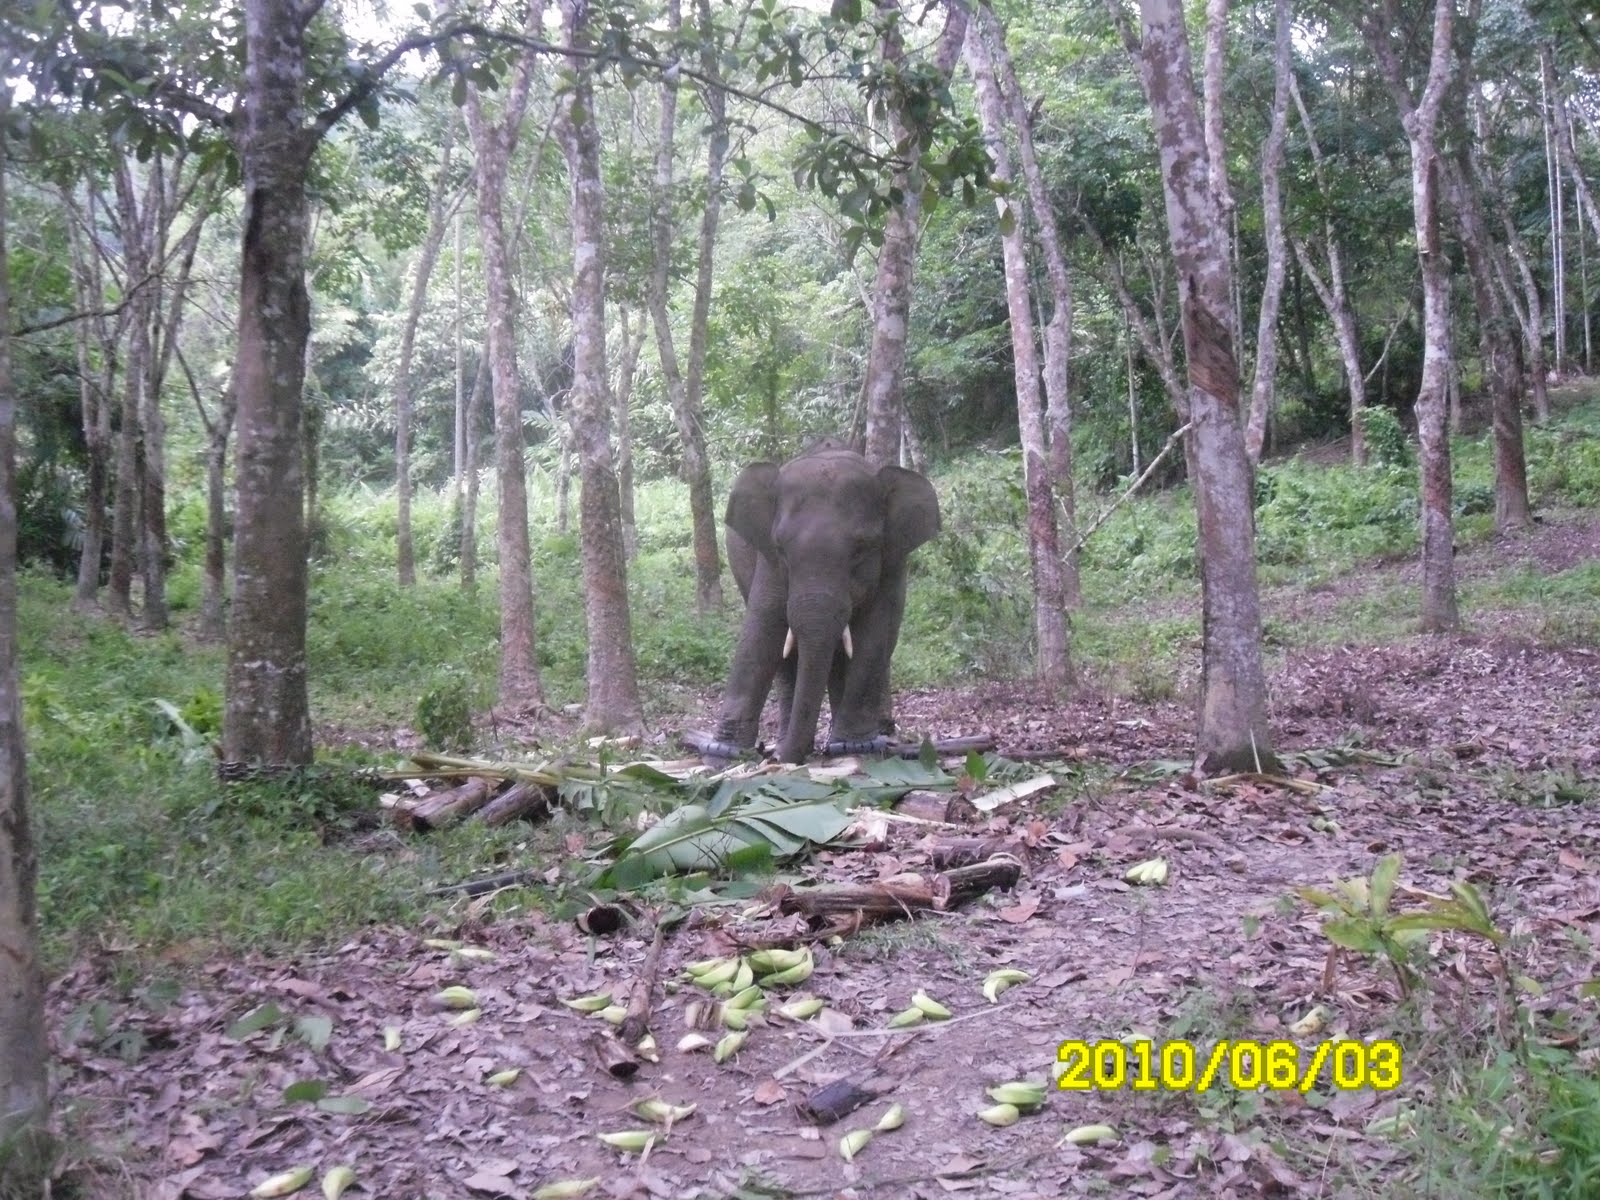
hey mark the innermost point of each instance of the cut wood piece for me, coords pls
(637, 1023)
(842, 1097)
(990, 801)
(615, 1058)
(520, 800)
(950, 807)
(844, 907)
(445, 808)
(961, 852)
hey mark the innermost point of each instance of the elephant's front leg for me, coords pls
(756, 660)
(864, 713)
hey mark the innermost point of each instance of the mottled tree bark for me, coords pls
(214, 585)
(125, 523)
(884, 388)
(1264, 382)
(1233, 731)
(267, 714)
(685, 390)
(1421, 121)
(432, 240)
(1053, 664)
(613, 686)
(24, 1050)
(520, 685)
(1058, 329)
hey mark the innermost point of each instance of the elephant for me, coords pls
(819, 548)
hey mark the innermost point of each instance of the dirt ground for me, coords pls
(1473, 749)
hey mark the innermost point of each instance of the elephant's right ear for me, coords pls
(753, 505)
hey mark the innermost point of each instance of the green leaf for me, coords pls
(350, 1106)
(255, 1021)
(976, 767)
(901, 772)
(1008, 221)
(1353, 933)
(305, 1090)
(1384, 876)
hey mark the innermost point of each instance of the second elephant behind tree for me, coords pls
(819, 548)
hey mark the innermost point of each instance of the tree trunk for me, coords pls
(1421, 121)
(631, 346)
(213, 593)
(685, 392)
(1053, 665)
(520, 685)
(1058, 329)
(1233, 731)
(469, 469)
(884, 388)
(267, 715)
(125, 523)
(95, 396)
(613, 688)
(24, 1050)
(405, 554)
(1264, 383)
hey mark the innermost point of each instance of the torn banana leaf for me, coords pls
(758, 827)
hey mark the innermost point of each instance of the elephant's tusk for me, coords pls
(849, 647)
(788, 644)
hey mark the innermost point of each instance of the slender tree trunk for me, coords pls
(520, 685)
(125, 524)
(1058, 329)
(884, 388)
(1334, 295)
(613, 688)
(1233, 730)
(95, 397)
(469, 469)
(1054, 664)
(267, 715)
(631, 346)
(684, 393)
(24, 1049)
(1421, 121)
(1216, 53)
(405, 554)
(1264, 383)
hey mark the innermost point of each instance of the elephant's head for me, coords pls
(833, 535)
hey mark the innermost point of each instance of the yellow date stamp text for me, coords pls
(1182, 1066)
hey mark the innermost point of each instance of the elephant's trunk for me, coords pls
(818, 625)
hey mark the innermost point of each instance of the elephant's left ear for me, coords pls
(911, 508)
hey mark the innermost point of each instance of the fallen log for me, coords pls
(962, 852)
(847, 906)
(637, 1023)
(490, 883)
(978, 743)
(951, 808)
(519, 800)
(448, 807)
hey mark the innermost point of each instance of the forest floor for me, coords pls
(1476, 756)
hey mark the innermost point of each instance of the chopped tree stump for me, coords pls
(519, 800)
(614, 1058)
(448, 807)
(845, 907)
(950, 808)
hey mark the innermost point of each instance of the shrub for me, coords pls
(1387, 444)
(444, 714)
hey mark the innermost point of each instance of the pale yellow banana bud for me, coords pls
(1089, 1135)
(893, 1119)
(908, 1018)
(456, 997)
(336, 1180)
(567, 1189)
(630, 1141)
(1000, 1114)
(589, 1004)
(853, 1143)
(282, 1184)
(729, 1046)
(930, 1006)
